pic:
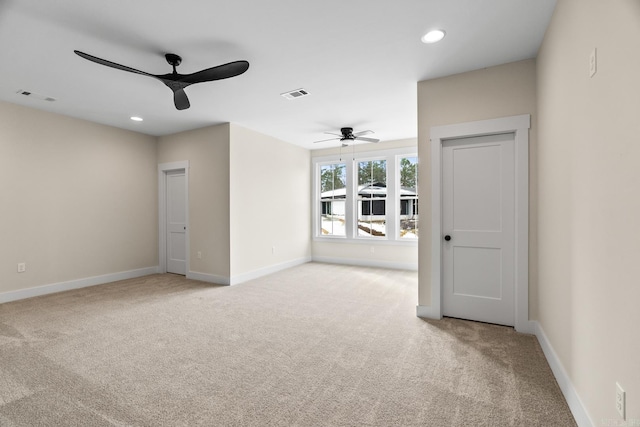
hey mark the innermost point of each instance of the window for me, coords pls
(409, 197)
(372, 196)
(333, 180)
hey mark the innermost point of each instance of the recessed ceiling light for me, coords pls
(136, 119)
(433, 36)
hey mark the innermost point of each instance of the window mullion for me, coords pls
(393, 176)
(351, 196)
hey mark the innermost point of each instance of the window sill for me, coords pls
(365, 241)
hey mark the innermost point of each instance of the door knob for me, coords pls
(447, 237)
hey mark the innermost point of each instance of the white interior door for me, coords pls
(478, 228)
(176, 221)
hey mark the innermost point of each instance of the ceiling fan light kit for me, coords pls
(175, 81)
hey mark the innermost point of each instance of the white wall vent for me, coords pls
(35, 95)
(298, 93)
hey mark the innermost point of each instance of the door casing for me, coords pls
(163, 168)
(519, 126)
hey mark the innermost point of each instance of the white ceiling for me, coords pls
(359, 59)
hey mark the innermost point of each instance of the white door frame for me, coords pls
(519, 126)
(163, 168)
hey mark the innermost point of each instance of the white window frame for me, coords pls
(354, 220)
(317, 203)
(392, 204)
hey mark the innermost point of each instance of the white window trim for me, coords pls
(392, 156)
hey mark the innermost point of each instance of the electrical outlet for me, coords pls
(593, 63)
(620, 401)
(373, 249)
(199, 255)
(273, 250)
(22, 267)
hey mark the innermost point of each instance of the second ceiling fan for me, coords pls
(347, 136)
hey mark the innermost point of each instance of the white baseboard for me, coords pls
(75, 284)
(245, 277)
(368, 263)
(427, 312)
(210, 278)
(570, 394)
(526, 327)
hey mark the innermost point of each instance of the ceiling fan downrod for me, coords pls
(173, 60)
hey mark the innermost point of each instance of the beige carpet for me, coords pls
(316, 345)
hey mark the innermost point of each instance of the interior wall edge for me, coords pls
(209, 278)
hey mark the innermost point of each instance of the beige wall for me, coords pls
(505, 90)
(207, 151)
(589, 199)
(405, 255)
(270, 192)
(78, 199)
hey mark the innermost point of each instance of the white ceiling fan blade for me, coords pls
(359, 138)
(363, 132)
(325, 140)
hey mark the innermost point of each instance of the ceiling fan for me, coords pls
(178, 82)
(347, 135)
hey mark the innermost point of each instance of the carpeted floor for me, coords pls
(316, 345)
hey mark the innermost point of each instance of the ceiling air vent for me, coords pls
(298, 93)
(35, 95)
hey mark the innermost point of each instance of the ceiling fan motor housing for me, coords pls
(347, 133)
(173, 59)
